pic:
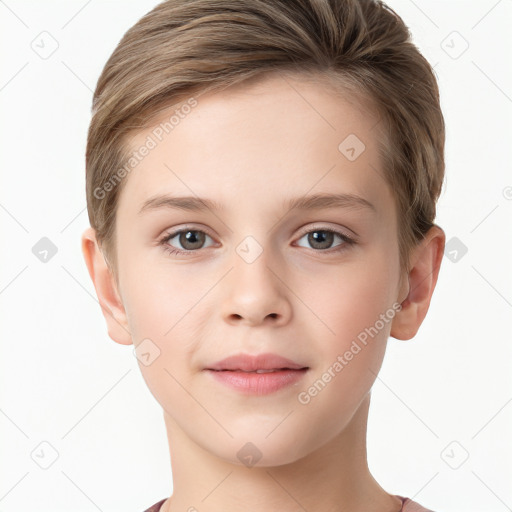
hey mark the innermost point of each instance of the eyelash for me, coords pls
(348, 241)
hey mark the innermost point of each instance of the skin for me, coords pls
(250, 148)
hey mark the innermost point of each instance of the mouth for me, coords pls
(258, 382)
(259, 374)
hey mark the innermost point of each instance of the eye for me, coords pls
(321, 238)
(189, 239)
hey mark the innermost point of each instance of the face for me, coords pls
(317, 286)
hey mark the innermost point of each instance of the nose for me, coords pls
(256, 292)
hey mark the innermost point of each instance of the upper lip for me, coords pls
(250, 363)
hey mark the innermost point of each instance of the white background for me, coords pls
(66, 384)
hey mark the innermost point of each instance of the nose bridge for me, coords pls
(253, 237)
(253, 262)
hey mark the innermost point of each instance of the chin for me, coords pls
(256, 451)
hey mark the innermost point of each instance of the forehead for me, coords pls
(278, 137)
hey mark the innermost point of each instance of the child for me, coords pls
(262, 178)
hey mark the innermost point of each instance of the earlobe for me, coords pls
(426, 261)
(108, 296)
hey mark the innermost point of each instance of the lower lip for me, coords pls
(258, 383)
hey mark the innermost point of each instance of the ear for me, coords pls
(426, 261)
(106, 289)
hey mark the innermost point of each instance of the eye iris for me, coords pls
(192, 237)
(325, 238)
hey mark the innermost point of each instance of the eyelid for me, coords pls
(172, 232)
(322, 226)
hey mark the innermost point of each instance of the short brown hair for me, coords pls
(186, 47)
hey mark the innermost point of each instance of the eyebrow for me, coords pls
(312, 202)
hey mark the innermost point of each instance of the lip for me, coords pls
(249, 363)
(258, 383)
(234, 371)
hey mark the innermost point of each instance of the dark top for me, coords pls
(407, 506)
(156, 506)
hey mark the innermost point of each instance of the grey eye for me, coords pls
(322, 238)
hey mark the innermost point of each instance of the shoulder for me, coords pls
(156, 506)
(409, 505)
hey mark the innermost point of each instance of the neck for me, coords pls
(333, 478)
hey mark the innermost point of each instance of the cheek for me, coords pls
(355, 308)
(345, 300)
(161, 309)
(155, 299)
(357, 312)
(165, 305)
